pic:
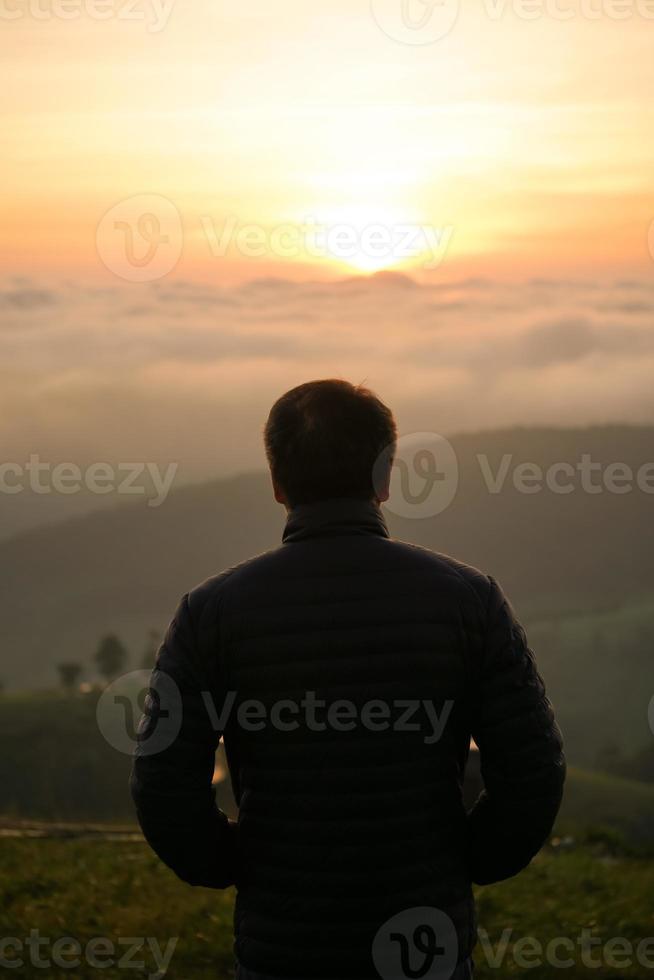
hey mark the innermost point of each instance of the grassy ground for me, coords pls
(86, 889)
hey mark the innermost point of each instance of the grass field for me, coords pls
(116, 890)
(56, 766)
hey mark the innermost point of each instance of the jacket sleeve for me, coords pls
(521, 752)
(173, 766)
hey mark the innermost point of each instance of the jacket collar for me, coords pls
(331, 518)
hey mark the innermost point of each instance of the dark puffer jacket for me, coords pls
(352, 812)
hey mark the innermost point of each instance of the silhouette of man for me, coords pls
(347, 672)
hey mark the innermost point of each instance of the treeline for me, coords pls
(111, 658)
(639, 765)
(57, 765)
(599, 672)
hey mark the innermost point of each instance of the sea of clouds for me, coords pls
(175, 372)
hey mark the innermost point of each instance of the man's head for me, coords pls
(329, 439)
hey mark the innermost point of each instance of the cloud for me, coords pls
(571, 340)
(187, 372)
(560, 341)
(26, 298)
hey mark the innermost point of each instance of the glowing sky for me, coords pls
(191, 191)
(530, 140)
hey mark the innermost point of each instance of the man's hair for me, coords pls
(329, 439)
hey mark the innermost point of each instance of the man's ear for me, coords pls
(383, 490)
(278, 493)
(383, 496)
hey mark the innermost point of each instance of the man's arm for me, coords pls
(174, 764)
(520, 748)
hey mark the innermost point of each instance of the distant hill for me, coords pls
(596, 799)
(569, 562)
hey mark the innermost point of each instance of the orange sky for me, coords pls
(525, 145)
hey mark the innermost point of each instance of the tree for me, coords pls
(111, 656)
(150, 650)
(69, 674)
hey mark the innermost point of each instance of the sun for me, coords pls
(365, 238)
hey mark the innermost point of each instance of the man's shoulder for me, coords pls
(438, 563)
(211, 590)
(464, 578)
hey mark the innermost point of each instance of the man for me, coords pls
(347, 673)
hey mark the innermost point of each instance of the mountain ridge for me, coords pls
(123, 570)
